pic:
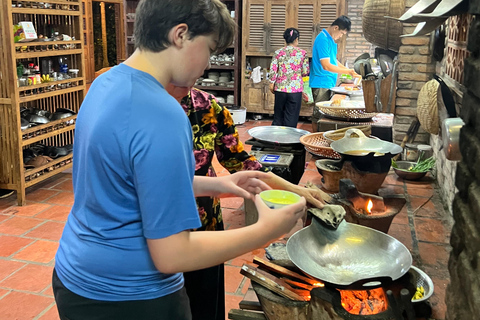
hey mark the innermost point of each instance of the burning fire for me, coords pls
(364, 302)
(369, 206)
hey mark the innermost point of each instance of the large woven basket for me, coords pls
(382, 32)
(316, 144)
(427, 107)
(346, 114)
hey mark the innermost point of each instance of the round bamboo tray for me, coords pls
(382, 32)
(316, 144)
(346, 114)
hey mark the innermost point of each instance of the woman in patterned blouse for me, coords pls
(289, 65)
(214, 133)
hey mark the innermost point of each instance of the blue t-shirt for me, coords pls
(323, 47)
(133, 169)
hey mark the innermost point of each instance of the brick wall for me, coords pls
(415, 68)
(463, 298)
(356, 44)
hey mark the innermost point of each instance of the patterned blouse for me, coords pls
(289, 65)
(214, 133)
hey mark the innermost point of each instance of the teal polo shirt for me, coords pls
(323, 47)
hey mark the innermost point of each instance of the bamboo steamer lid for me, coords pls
(427, 107)
(382, 32)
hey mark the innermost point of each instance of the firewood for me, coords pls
(298, 284)
(283, 271)
(273, 283)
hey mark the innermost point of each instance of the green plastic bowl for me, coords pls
(276, 199)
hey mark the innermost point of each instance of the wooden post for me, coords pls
(104, 34)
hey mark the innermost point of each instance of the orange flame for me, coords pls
(369, 206)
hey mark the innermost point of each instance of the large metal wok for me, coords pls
(352, 256)
(362, 146)
(277, 134)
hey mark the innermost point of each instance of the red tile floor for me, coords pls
(29, 238)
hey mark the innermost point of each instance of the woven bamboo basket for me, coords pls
(348, 114)
(316, 144)
(427, 107)
(382, 32)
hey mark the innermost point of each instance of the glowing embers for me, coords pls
(364, 302)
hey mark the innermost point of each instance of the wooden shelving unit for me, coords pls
(233, 5)
(130, 7)
(234, 49)
(64, 17)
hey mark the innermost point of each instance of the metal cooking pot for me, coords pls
(277, 134)
(363, 146)
(352, 256)
(33, 118)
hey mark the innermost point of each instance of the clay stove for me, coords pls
(324, 302)
(368, 210)
(365, 209)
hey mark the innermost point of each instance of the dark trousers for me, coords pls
(206, 291)
(287, 109)
(71, 306)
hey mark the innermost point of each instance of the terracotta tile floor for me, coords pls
(29, 238)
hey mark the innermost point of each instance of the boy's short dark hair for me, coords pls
(343, 23)
(155, 18)
(290, 35)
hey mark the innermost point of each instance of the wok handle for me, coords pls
(349, 133)
(375, 283)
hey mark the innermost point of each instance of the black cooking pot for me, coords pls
(367, 154)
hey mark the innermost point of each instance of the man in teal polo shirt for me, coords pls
(325, 66)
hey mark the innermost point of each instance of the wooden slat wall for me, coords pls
(278, 17)
(306, 25)
(328, 14)
(257, 19)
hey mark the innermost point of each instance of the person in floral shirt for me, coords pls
(288, 67)
(214, 133)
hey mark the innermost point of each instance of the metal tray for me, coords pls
(342, 90)
(352, 256)
(277, 134)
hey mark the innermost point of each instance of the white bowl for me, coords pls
(276, 199)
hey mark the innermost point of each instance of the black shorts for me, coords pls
(71, 306)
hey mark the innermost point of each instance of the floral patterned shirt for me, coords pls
(289, 65)
(214, 134)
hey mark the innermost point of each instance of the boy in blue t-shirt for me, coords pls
(127, 239)
(325, 66)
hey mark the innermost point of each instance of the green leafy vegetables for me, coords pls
(422, 166)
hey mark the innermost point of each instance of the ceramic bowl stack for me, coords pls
(208, 82)
(230, 99)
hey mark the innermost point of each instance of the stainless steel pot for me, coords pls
(353, 256)
(277, 134)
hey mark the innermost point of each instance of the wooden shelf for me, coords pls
(42, 173)
(47, 11)
(47, 130)
(221, 67)
(46, 96)
(214, 88)
(78, 80)
(57, 92)
(45, 43)
(42, 54)
(69, 2)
